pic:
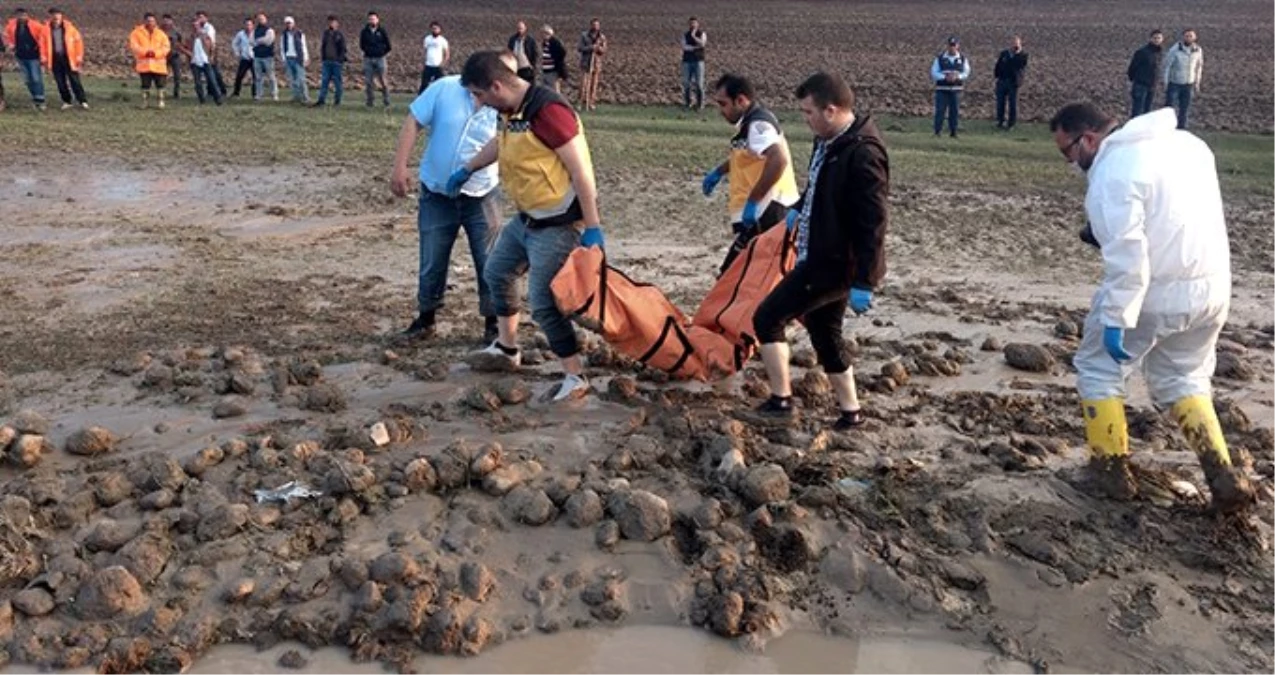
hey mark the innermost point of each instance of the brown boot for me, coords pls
(1111, 477)
(1231, 490)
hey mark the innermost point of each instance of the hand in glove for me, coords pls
(1113, 340)
(457, 180)
(860, 300)
(592, 236)
(749, 217)
(711, 180)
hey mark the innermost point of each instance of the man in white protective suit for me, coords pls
(1155, 211)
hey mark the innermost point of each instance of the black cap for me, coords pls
(953, 40)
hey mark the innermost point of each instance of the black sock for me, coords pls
(509, 351)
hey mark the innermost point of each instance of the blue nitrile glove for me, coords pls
(749, 218)
(790, 221)
(860, 300)
(592, 236)
(457, 180)
(711, 180)
(1113, 340)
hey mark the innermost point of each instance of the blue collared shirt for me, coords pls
(457, 131)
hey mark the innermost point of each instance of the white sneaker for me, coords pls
(572, 387)
(67, 106)
(84, 105)
(494, 359)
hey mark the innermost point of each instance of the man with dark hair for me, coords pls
(296, 58)
(241, 46)
(24, 34)
(949, 72)
(840, 224)
(1144, 73)
(762, 185)
(1155, 210)
(1010, 66)
(694, 41)
(526, 55)
(200, 51)
(437, 54)
(150, 48)
(547, 171)
(374, 41)
(204, 26)
(1183, 68)
(263, 39)
(178, 44)
(62, 47)
(333, 52)
(592, 47)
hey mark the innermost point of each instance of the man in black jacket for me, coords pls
(1010, 66)
(333, 52)
(1144, 73)
(523, 45)
(553, 59)
(840, 224)
(375, 43)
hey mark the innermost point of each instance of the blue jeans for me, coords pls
(296, 79)
(1006, 93)
(693, 81)
(1141, 95)
(33, 75)
(205, 80)
(263, 68)
(947, 102)
(438, 220)
(332, 72)
(539, 253)
(1178, 96)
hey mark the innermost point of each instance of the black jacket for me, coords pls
(1144, 67)
(558, 52)
(529, 48)
(1010, 67)
(374, 43)
(848, 221)
(333, 48)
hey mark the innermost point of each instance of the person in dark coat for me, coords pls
(1010, 66)
(525, 50)
(553, 59)
(1144, 73)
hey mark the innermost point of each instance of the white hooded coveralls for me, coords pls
(1156, 210)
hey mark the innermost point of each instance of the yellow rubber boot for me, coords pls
(1198, 419)
(1107, 433)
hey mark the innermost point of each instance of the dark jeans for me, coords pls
(428, 76)
(693, 83)
(221, 81)
(34, 77)
(773, 214)
(1006, 93)
(205, 81)
(68, 80)
(947, 102)
(332, 73)
(1141, 95)
(175, 69)
(245, 68)
(820, 309)
(539, 253)
(1178, 97)
(438, 220)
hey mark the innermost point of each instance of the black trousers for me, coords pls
(821, 309)
(245, 68)
(175, 69)
(68, 80)
(428, 76)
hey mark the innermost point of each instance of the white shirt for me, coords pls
(199, 55)
(435, 47)
(761, 135)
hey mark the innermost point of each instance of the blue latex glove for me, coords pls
(749, 218)
(1113, 340)
(592, 236)
(860, 300)
(791, 220)
(711, 180)
(457, 180)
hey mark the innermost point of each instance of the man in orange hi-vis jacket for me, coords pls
(22, 35)
(150, 47)
(62, 49)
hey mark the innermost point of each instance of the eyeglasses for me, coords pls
(1066, 152)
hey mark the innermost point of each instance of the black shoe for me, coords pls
(491, 330)
(777, 407)
(422, 328)
(848, 420)
(953, 134)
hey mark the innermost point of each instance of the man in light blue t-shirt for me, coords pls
(458, 128)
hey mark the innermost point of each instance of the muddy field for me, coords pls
(181, 337)
(885, 48)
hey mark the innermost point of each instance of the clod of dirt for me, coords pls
(223, 521)
(482, 398)
(641, 515)
(511, 390)
(443, 633)
(726, 613)
(109, 535)
(395, 568)
(292, 659)
(529, 506)
(305, 373)
(803, 358)
(125, 655)
(204, 460)
(229, 408)
(27, 450)
(991, 344)
(1232, 367)
(157, 376)
(33, 602)
(895, 371)
(91, 441)
(584, 509)
(110, 593)
(239, 590)
(157, 500)
(7, 434)
(419, 475)
(789, 547)
(706, 515)
(622, 388)
(764, 484)
(323, 397)
(30, 422)
(368, 599)
(193, 579)
(477, 634)
(145, 557)
(353, 572)
(812, 387)
(111, 488)
(487, 460)
(347, 478)
(506, 478)
(607, 535)
(476, 581)
(1010, 459)
(237, 383)
(156, 471)
(844, 569)
(962, 576)
(1031, 358)
(452, 466)
(601, 591)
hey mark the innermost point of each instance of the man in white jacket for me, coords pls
(1183, 68)
(1155, 210)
